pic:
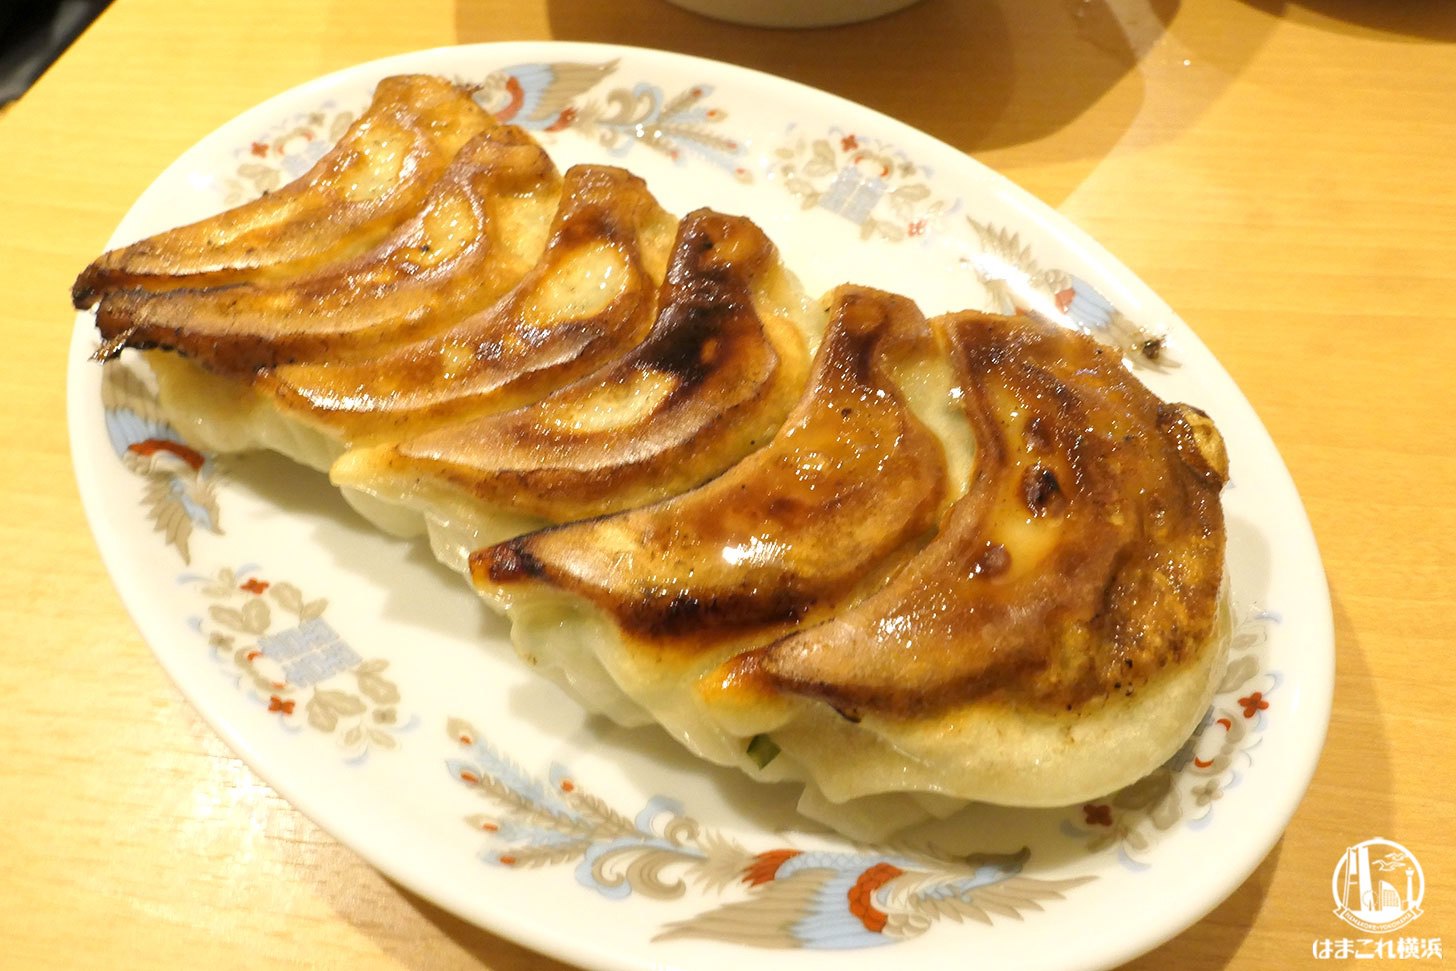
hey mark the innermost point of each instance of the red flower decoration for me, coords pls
(254, 586)
(1253, 704)
(849, 143)
(259, 149)
(1099, 814)
(567, 785)
(276, 703)
(917, 228)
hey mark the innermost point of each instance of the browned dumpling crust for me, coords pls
(478, 230)
(1082, 566)
(711, 382)
(970, 559)
(373, 179)
(590, 298)
(850, 485)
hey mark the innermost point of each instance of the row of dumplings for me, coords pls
(909, 563)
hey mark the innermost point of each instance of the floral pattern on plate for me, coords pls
(284, 152)
(869, 182)
(541, 97)
(181, 484)
(1020, 284)
(284, 653)
(783, 897)
(274, 640)
(552, 97)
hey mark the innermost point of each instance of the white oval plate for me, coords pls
(370, 687)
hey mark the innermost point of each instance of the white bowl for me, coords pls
(793, 13)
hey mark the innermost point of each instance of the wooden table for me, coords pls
(1283, 173)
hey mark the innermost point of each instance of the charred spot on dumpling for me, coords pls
(994, 560)
(507, 562)
(1042, 490)
(820, 514)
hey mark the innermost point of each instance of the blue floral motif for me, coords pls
(553, 97)
(309, 653)
(281, 652)
(871, 184)
(180, 493)
(1019, 283)
(786, 898)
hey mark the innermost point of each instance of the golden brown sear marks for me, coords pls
(851, 484)
(1085, 558)
(367, 184)
(480, 228)
(592, 295)
(712, 380)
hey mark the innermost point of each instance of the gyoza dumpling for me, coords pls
(1060, 637)
(368, 183)
(631, 609)
(474, 237)
(799, 590)
(590, 298)
(712, 381)
(480, 227)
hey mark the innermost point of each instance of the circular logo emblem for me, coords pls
(1378, 886)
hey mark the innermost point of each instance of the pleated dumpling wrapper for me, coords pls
(372, 179)
(1057, 638)
(475, 234)
(213, 369)
(1061, 636)
(714, 378)
(631, 610)
(590, 297)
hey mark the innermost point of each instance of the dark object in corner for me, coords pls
(33, 33)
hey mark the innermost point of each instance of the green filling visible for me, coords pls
(762, 750)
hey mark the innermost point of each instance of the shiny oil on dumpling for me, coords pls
(1056, 639)
(904, 564)
(630, 609)
(1063, 633)
(372, 179)
(473, 236)
(712, 381)
(590, 297)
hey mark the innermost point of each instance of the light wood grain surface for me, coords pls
(1282, 173)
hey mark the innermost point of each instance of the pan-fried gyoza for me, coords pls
(906, 563)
